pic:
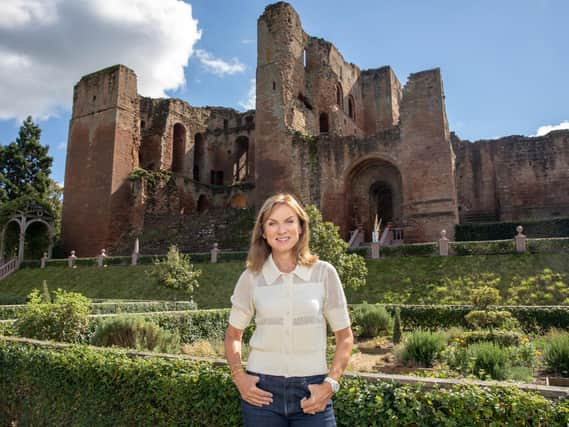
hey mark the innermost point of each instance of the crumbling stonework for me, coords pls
(357, 143)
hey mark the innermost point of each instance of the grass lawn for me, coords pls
(398, 280)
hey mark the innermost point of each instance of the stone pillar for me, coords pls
(374, 250)
(135, 252)
(214, 253)
(101, 258)
(521, 240)
(443, 244)
(44, 259)
(71, 259)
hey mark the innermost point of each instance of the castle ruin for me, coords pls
(357, 143)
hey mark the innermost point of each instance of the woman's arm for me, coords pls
(321, 393)
(246, 384)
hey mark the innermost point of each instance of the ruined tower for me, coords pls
(102, 150)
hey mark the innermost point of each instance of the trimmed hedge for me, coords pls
(531, 318)
(558, 227)
(12, 311)
(416, 249)
(483, 248)
(83, 386)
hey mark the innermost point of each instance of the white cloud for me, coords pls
(249, 103)
(544, 130)
(47, 45)
(247, 41)
(61, 145)
(219, 66)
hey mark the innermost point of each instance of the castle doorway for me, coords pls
(373, 187)
(381, 202)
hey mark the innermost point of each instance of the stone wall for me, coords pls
(513, 178)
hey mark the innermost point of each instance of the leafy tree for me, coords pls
(325, 241)
(24, 165)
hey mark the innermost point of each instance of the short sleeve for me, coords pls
(335, 304)
(242, 307)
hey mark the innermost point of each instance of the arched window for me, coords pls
(339, 96)
(241, 163)
(351, 108)
(324, 125)
(179, 148)
(304, 59)
(198, 155)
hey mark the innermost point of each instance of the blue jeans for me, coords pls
(285, 410)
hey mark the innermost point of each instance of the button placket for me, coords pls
(288, 318)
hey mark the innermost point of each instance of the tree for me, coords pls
(24, 165)
(325, 241)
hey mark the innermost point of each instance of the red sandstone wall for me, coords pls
(514, 177)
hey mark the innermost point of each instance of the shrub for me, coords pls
(454, 290)
(504, 338)
(556, 354)
(176, 271)
(421, 348)
(558, 227)
(489, 360)
(66, 319)
(484, 296)
(371, 320)
(397, 326)
(325, 241)
(482, 319)
(133, 332)
(546, 288)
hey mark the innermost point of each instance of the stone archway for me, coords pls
(374, 187)
(24, 218)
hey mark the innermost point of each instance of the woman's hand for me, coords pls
(320, 394)
(250, 393)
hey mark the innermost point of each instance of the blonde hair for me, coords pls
(259, 250)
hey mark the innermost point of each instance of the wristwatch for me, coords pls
(333, 383)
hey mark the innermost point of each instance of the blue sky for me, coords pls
(504, 63)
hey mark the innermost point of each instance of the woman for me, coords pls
(292, 294)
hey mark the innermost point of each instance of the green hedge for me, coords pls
(417, 249)
(82, 386)
(483, 248)
(558, 227)
(531, 318)
(116, 307)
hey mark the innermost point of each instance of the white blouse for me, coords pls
(290, 311)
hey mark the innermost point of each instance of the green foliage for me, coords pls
(133, 332)
(489, 360)
(556, 354)
(397, 326)
(106, 387)
(371, 320)
(421, 348)
(457, 290)
(546, 288)
(558, 227)
(150, 176)
(416, 249)
(482, 319)
(483, 248)
(66, 319)
(176, 271)
(531, 319)
(484, 296)
(325, 241)
(24, 165)
(113, 307)
(501, 337)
